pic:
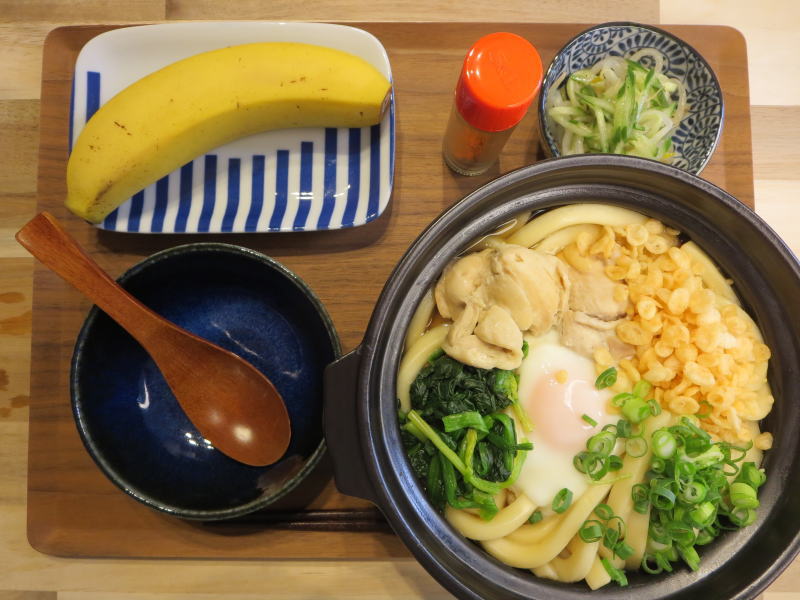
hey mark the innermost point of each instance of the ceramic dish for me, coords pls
(697, 135)
(361, 425)
(287, 180)
(131, 423)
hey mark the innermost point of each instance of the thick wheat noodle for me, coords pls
(533, 533)
(545, 572)
(637, 527)
(413, 361)
(711, 276)
(556, 242)
(633, 472)
(574, 214)
(503, 523)
(530, 556)
(578, 564)
(421, 318)
(597, 576)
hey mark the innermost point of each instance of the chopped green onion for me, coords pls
(743, 496)
(642, 388)
(635, 410)
(655, 407)
(742, 517)
(751, 475)
(664, 443)
(702, 516)
(636, 446)
(614, 463)
(661, 497)
(562, 500)
(525, 349)
(620, 399)
(624, 428)
(689, 556)
(606, 379)
(646, 566)
(603, 511)
(602, 443)
(623, 550)
(589, 420)
(616, 574)
(641, 498)
(591, 531)
(535, 517)
(694, 492)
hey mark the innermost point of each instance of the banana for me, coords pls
(175, 114)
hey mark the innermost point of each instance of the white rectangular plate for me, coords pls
(287, 180)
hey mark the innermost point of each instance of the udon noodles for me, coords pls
(581, 394)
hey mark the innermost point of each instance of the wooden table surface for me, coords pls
(771, 29)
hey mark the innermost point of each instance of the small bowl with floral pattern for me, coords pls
(696, 136)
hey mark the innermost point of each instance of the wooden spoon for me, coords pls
(232, 404)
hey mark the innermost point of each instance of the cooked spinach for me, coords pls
(446, 386)
(461, 446)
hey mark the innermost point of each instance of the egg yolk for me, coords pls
(557, 410)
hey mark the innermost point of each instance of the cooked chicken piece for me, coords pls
(497, 327)
(461, 282)
(593, 293)
(542, 279)
(584, 334)
(506, 292)
(493, 296)
(485, 339)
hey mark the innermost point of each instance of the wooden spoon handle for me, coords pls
(47, 240)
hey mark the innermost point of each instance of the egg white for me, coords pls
(556, 411)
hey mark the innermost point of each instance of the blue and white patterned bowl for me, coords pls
(285, 180)
(698, 133)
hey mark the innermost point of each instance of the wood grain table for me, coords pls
(771, 29)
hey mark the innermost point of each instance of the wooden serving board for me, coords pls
(73, 510)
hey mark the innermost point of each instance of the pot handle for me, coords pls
(341, 427)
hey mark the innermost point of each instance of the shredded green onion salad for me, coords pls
(618, 106)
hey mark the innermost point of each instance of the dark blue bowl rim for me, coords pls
(96, 453)
(553, 150)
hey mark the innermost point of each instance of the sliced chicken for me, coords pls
(592, 293)
(461, 282)
(542, 280)
(585, 333)
(485, 340)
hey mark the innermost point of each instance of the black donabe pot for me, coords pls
(360, 404)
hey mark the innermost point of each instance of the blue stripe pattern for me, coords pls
(184, 197)
(209, 192)
(92, 93)
(374, 171)
(135, 215)
(329, 180)
(257, 200)
(160, 210)
(304, 206)
(353, 177)
(339, 181)
(233, 195)
(281, 189)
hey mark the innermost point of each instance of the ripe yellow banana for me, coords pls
(189, 107)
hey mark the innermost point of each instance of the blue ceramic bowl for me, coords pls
(131, 423)
(698, 133)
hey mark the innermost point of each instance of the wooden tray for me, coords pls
(73, 510)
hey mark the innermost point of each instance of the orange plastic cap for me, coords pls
(500, 78)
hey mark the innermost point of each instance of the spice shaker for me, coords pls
(501, 75)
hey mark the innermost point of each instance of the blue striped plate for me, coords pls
(288, 180)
